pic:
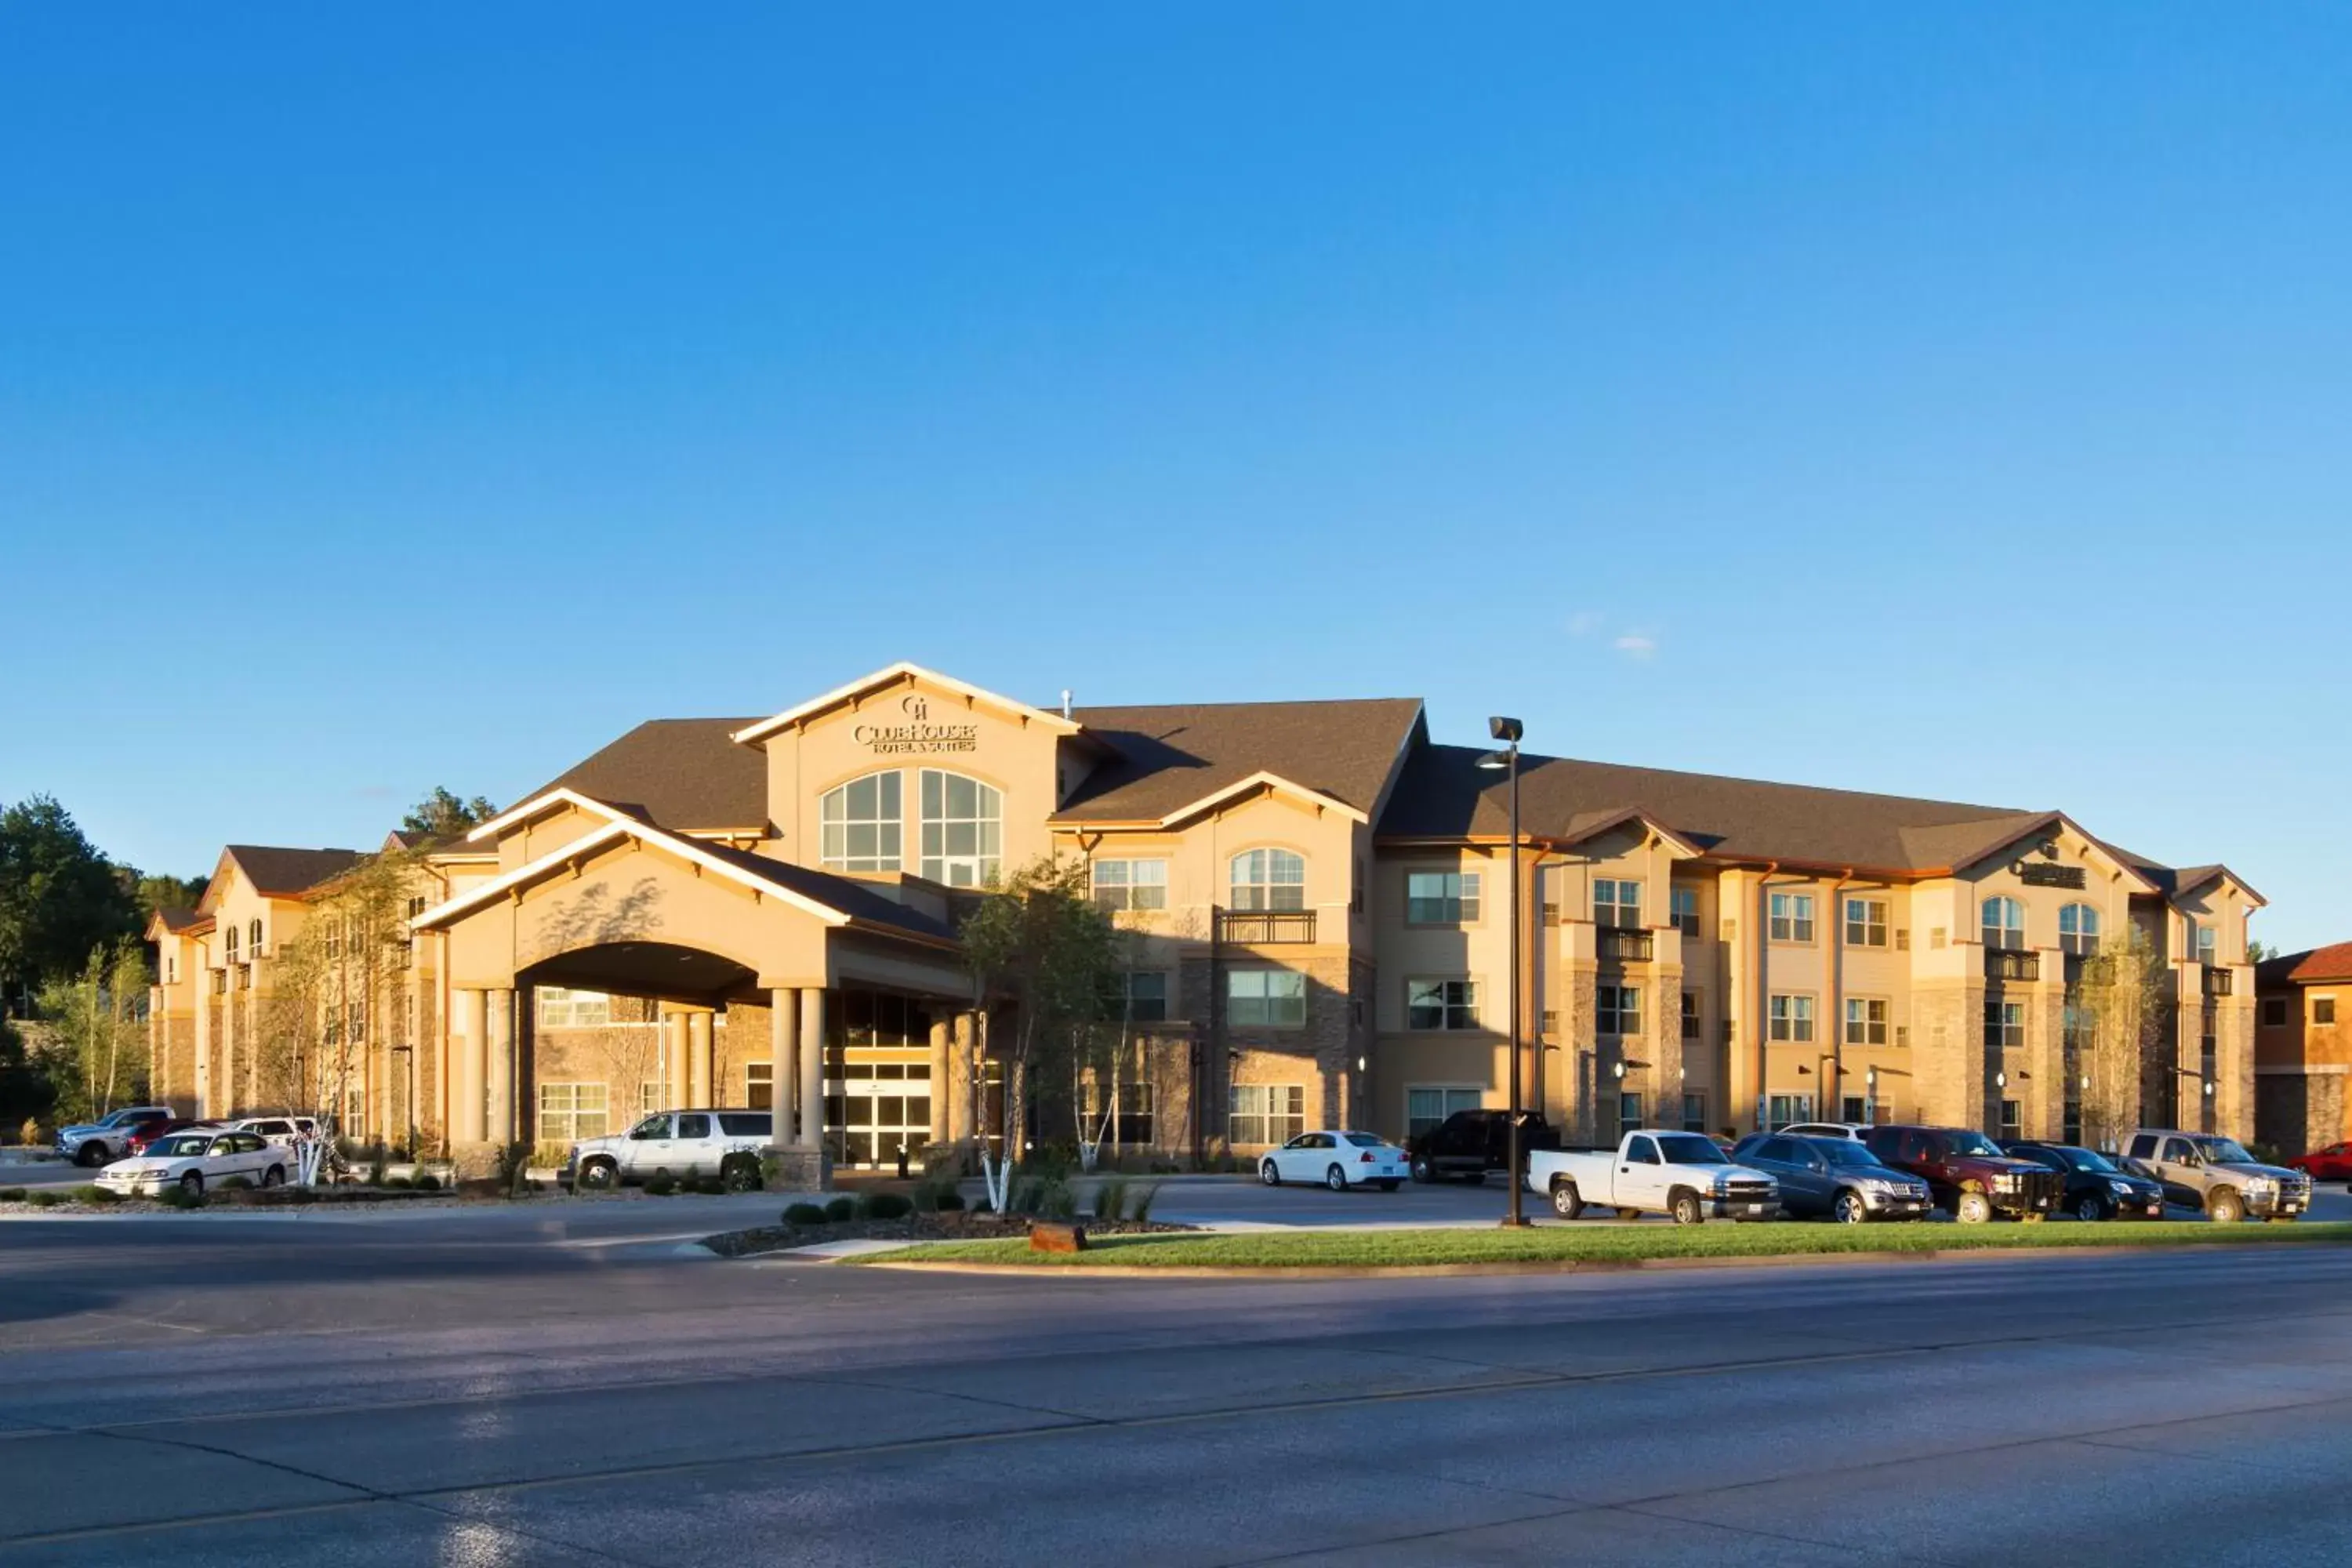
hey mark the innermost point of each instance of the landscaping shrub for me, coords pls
(797, 1214)
(12, 1195)
(379, 1167)
(843, 1207)
(426, 1182)
(237, 1184)
(180, 1198)
(710, 1187)
(1021, 1195)
(660, 1186)
(884, 1206)
(1056, 1200)
(1111, 1198)
(395, 1184)
(98, 1194)
(1138, 1206)
(950, 1200)
(48, 1197)
(513, 1159)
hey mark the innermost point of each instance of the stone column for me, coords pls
(674, 1049)
(964, 1034)
(500, 1097)
(784, 1052)
(941, 1056)
(812, 1095)
(231, 1100)
(466, 1087)
(698, 1060)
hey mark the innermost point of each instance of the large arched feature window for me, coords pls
(2004, 923)
(2078, 930)
(1269, 880)
(963, 829)
(861, 825)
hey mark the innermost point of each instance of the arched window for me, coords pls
(2004, 923)
(963, 829)
(860, 824)
(228, 941)
(253, 939)
(1268, 880)
(2078, 930)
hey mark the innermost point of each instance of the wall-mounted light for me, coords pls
(2000, 1079)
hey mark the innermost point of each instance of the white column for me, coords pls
(471, 1063)
(501, 1075)
(785, 1055)
(698, 1060)
(811, 1106)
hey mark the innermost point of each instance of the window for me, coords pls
(1266, 998)
(1130, 884)
(228, 942)
(1792, 917)
(2011, 1120)
(860, 824)
(1793, 1018)
(1865, 1021)
(1441, 898)
(1690, 1015)
(1629, 1116)
(1683, 903)
(649, 1098)
(2004, 922)
(2323, 1009)
(2005, 1025)
(962, 829)
(570, 1111)
(253, 938)
(1621, 1009)
(760, 1085)
(1855, 1108)
(1139, 995)
(2275, 1014)
(1133, 1122)
(1549, 1023)
(1787, 1110)
(1616, 903)
(1268, 880)
(1694, 1113)
(561, 1009)
(1428, 1105)
(1865, 922)
(2078, 930)
(1266, 1113)
(1440, 1003)
(2200, 937)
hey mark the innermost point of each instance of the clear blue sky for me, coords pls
(1949, 401)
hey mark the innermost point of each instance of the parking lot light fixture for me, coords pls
(1508, 732)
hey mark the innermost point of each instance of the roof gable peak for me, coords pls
(902, 673)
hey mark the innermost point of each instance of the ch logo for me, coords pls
(919, 709)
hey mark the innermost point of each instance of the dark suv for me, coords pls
(1967, 1173)
(1469, 1143)
(2096, 1187)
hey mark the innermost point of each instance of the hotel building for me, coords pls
(764, 910)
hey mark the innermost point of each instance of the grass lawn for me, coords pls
(1599, 1243)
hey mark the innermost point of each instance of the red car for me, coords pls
(2332, 1164)
(149, 1131)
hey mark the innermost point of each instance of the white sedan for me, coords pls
(1339, 1160)
(194, 1161)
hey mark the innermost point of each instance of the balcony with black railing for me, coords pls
(1266, 928)
(2217, 980)
(1620, 946)
(2012, 963)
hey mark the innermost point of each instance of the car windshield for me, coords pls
(1975, 1143)
(1690, 1148)
(2224, 1152)
(1366, 1139)
(1845, 1152)
(2089, 1160)
(181, 1143)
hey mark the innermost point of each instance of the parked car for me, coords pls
(146, 1132)
(2096, 1186)
(194, 1161)
(1836, 1177)
(108, 1137)
(282, 1131)
(1852, 1132)
(1968, 1173)
(1469, 1143)
(1339, 1159)
(2203, 1170)
(675, 1144)
(2332, 1164)
(1678, 1173)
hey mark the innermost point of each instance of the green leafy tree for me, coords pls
(168, 892)
(96, 1023)
(1041, 952)
(2119, 1022)
(60, 899)
(441, 816)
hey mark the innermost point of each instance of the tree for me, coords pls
(1039, 946)
(97, 1025)
(2119, 1018)
(1103, 1046)
(441, 817)
(168, 892)
(2259, 952)
(60, 899)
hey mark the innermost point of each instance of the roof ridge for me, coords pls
(1528, 758)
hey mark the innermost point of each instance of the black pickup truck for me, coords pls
(1469, 1143)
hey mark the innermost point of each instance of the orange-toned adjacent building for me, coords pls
(2303, 1048)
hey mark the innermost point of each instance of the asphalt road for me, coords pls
(474, 1392)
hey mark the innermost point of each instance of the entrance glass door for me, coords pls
(876, 1107)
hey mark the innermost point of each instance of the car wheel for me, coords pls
(599, 1174)
(1268, 1174)
(1421, 1171)
(1849, 1209)
(1565, 1201)
(740, 1174)
(193, 1184)
(1389, 1183)
(274, 1177)
(2224, 1206)
(2090, 1208)
(1335, 1179)
(1686, 1209)
(1972, 1208)
(90, 1153)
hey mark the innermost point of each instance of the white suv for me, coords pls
(680, 1144)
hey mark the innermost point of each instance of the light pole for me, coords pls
(1508, 732)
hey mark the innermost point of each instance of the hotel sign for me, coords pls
(2041, 874)
(917, 733)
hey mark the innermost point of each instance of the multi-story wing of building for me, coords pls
(762, 913)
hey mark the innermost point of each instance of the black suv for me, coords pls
(2096, 1188)
(1469, 1143)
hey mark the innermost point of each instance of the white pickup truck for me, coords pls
(1684, 1175)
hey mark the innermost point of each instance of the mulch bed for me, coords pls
(952, 1226)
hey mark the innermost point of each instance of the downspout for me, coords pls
(1833, 1086)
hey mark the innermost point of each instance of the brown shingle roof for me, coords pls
(680, 773)
(851, 896)
(2316, 966)
(1172, 755)
(283, 872)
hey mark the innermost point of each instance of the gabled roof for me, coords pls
(683, 774)
(1173, 759)
(281, 873)
(899, 674)
(169, 921)
(2319, 965)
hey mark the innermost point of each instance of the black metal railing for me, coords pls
(1265, 927)
(2217, 980)
(1626, 946)
(2010, 964)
